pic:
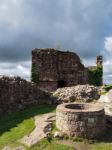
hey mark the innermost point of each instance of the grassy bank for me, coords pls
(14, 126)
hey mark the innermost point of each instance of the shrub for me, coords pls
(95, 75)
(34, 74)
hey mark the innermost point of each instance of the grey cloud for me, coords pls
(77, 25)
(107, 79)
(16, 69)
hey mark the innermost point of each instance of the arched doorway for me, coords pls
(61, 83)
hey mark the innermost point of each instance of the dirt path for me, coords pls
(76, 145)
(42, 126)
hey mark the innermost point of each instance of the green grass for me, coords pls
(16, 125)
(107, 87)
(102, 146)
(45, 145)
(10, 137)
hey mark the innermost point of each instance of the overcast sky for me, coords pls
(82, 26)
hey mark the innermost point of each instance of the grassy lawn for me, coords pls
(16, 125)
(45, 145)
(102, 146)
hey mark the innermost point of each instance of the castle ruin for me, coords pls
(55, 69)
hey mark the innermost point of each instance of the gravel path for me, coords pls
(42, 127)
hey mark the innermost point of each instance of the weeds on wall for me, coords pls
(95, 75)
(107, 87)
(34, 75)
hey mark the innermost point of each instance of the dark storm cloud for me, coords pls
(77, 25)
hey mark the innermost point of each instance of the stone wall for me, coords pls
(47, 86)
(52, 66)
(81, 120)
(17, 93)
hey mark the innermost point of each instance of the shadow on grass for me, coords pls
(107, 137)
(10, 121)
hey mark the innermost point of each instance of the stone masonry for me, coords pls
(81, 120)
(17, 93)
(57, 69)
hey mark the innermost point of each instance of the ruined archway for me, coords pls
(61, 83)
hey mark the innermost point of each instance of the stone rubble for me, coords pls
(106, 98)
(58, 134)
(106, 101)
(84, 93)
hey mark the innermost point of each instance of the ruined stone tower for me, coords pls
(99, 63)
(56, 68)
(99, 60)
(52, 69)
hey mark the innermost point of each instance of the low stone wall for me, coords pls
(17, 93)
(81, 120)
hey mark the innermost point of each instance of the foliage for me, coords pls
(107, 87)
(34, 75)
(95, 75)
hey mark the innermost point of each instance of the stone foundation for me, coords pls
(81, 120)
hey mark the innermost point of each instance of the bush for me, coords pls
(34, 75)
(95, 75)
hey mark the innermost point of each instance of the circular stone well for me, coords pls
(81, 119)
